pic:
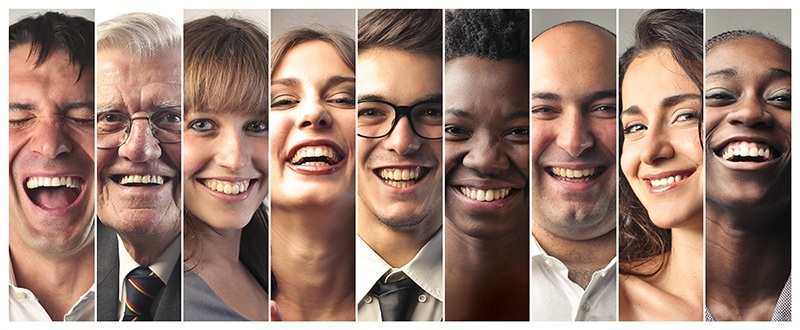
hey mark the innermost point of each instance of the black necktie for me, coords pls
(141, 288)
(396, 298)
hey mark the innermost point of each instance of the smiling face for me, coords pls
(312, 120)
(748, 107)
(486, 146)
(573, 104)
(51, 149)
(661, 154)
(400, 176)
(138, 89)
(225, 167)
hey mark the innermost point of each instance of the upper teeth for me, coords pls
(154, 179)
(316, 151)
(576, 174)
(58, 181)
(746, 149)
(485, 195)
(400, 174)
(666, 181)
(227, 187)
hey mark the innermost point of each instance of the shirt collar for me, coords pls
(162, 266)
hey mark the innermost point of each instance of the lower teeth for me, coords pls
(399, 184)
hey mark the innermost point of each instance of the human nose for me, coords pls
(314, 115)
(487, 157)
(575, 137)
(656, 146)
(49, 139)
(232, 152)
(751, 112)
(402, 139)
(141, 145)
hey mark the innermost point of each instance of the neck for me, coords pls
(746, 267)
(397, 246)
(581, 257)
(313, 261)
(206, 247)
(683, 270)
(486, 279)
(43, 273)
(146, 249)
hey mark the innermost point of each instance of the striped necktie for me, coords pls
(141, 287)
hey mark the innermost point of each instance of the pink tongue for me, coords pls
(53, 198)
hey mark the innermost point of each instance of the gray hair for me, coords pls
(141, 35)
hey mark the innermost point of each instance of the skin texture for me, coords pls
(748, 98)
(51, 134)
(313, 247)
(146, 218)
(486, 148)
(225, 147)
(573, 105)
(397, 222)
(660, 120)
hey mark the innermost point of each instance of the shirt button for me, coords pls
(422, 298)
(22, 295)
(368, 299)
(585, 307)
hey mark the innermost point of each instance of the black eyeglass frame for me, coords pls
(400, 111)
(128, 129)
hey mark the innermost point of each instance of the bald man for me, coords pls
(573, 177)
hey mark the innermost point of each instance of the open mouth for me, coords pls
(661, 182)
(742, 151)
(576, 175)
(226, 187)
(402, 177)
(53, 192)
(140, 180)
(485, 195)
(316, 156)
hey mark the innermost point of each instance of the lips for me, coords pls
(140, 179)
(744, 151)
(226, 187)
(575, 175)
(53, 192)
(484, 195)
(402, 177)
(320, 155)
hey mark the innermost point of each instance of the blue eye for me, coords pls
(202, 125)
(634, 128)
(256, 126)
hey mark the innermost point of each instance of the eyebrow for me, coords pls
(433, 97)
(677, 99)
(603, 94)
(336, 80)
(518, 114)
(777, 73)
(725, 73)
(69, 106)
(462, 114)
(546, 96)
(630, 111)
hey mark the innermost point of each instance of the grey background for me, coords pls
(14, 15)
(543, 19)
(258, 16)
(341, 19)
(776, 22)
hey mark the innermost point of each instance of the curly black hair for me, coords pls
(494, 34)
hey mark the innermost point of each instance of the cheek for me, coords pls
(260, 156)
(453, 154)
(195, 155)
(16, 142)
(173, 151)
(280, 124)
(542, 132)
(629, 161)
(605, 131)
(103, 157)
(519, 155)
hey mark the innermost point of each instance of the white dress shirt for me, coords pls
(425, 269)
(554, 297)
(162, 267)
(24, 306)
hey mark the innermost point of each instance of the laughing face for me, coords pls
(51, 149)
(400, 175)
(573, 105)
(661, 154)
(748, 107)
(225, 167)
(139, 181)
(312, 120)
(486, 146)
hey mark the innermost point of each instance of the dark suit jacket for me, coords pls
(166, 307)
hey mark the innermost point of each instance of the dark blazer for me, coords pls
(166, 307)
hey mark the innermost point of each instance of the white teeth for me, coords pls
(485, 195)
(746, 150)
(149, 179)
(400, 174)
(666, 181)
(573, 173)
(227, 187)
(316, 151)
(63, 181)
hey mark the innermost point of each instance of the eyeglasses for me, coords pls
(114, 127)
(377, 119)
